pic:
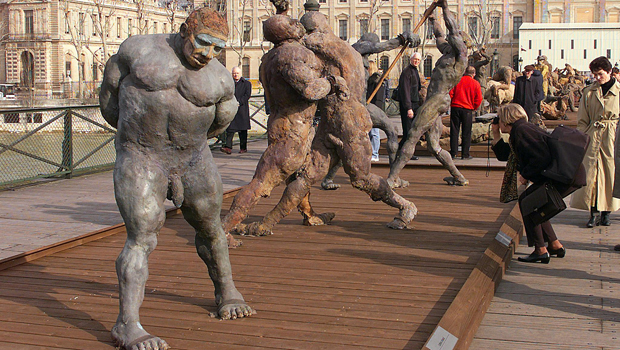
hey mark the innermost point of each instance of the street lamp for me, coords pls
(520, 63)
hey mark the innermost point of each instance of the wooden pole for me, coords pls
(427, 13)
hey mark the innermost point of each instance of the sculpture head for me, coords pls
(541, 58)
(278, 28)
(204, 36)
(315, 21)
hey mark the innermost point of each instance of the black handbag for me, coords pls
(542, 204)
(395, 96)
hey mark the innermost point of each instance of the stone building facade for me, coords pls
(58, 48)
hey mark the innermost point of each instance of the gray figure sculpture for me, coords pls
(166, 95)
(480, 61)
(342, 133)
(368, 44)
(446, 74)
(291, 76)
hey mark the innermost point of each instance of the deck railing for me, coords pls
(61, 142)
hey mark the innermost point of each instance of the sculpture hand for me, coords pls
(281, 5)
(339, 87)
(408, 37)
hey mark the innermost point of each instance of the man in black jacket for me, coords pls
(409, 95)
(241, 123)
(528, 92)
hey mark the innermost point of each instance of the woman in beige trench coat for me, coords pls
(598, 115)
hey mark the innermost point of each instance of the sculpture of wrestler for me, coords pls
(342, 133)
(291, 76)
(446, 74)
(480, 61)
(368, 44)
(166, 95)
(500, 90)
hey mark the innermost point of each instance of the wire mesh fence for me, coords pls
(39, 143)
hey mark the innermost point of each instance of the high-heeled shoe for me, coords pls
(532, 258)
(559, 252)
(605, 220)
(592, 222)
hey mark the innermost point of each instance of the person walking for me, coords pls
(598, 117)
(379, 101)
(241, 123)
(527, 92)
(529, 144)
(466, 98)
(409, 99)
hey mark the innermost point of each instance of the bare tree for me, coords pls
(375, 5)
(242, 29)
(486, 21)
(101, 14)
(142, 16)
(79, 39)
(173, 8)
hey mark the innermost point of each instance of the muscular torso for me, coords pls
(164, 104)
(446, 74)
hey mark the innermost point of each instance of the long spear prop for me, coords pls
(427, 13)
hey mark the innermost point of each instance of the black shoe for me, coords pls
(605, 220)
(592, 222)
(415, 157)
(617, 247)
(559, 252)
(532, 258)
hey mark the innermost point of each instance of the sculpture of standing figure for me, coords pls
(342, 133)
(480, 62)
(166, 95)
(447, 73)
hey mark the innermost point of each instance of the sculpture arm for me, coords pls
(306, 81)
(114, 73)
(225, 111)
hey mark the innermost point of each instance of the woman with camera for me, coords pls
(529, 144)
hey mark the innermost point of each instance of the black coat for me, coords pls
(379, 98)
(527, 92)
(409, 89)
(529, 143)
(243, 91)
(537, 76)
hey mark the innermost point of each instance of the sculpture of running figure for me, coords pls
(342, 133)
(166, 95)
(369, 44)
(291, 76)
(446, 74)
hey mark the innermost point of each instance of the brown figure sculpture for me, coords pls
(446, 74)
(291, 76)
(166, 95)
(342, 133)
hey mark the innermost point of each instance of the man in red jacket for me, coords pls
(466, 98)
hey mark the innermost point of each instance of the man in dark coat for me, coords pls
(409, 95)
(527, 92)
(538, 78)
(241, 123)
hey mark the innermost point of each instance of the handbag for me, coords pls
(542, 204)
(568, 148)
(395, 96)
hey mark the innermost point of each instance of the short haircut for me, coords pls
(510, 113)
(528, 68)
(600, 63)
(416, 54)
(470, 70)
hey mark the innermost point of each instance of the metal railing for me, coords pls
(51, 142)
(61, 142)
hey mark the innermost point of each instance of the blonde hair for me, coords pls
(510, 113)
(372, 67)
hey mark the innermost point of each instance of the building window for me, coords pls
(29, 21)
(516, 24)
(595, 44)
(155, 27)
(608, 53)
(495, 28)
(572, 44)
(165, 28)
(539, 52)
(245, 67)
(343, 28)
(322, 1)
(562, 54)
(95, 72)
(429, 31)
(529, 43)
(247, 29)
(93, 19)
(342, 1)
(549, 44)
(385, 29)
(129, 27)
(472, 25)
(107, 26)
(585, 53)
(406, 24)
(363, 26)
(67, 28)
(515, 62)
(119, 23)
(428, 66)
(81, 20)
(11, 118)
(384, 63)
(363, 0)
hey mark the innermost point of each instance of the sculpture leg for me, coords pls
(140, 188)
(201, 209)
(382, 121)
(443, 156)
(328, 181)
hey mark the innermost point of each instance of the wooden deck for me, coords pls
(351, 285)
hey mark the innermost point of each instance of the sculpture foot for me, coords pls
(254, 229)
(232, 242)
(329, 185)
(319, 219)
(134, 337)
(404, 218)
(234, 308)
(397, 183)
(453, 181)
